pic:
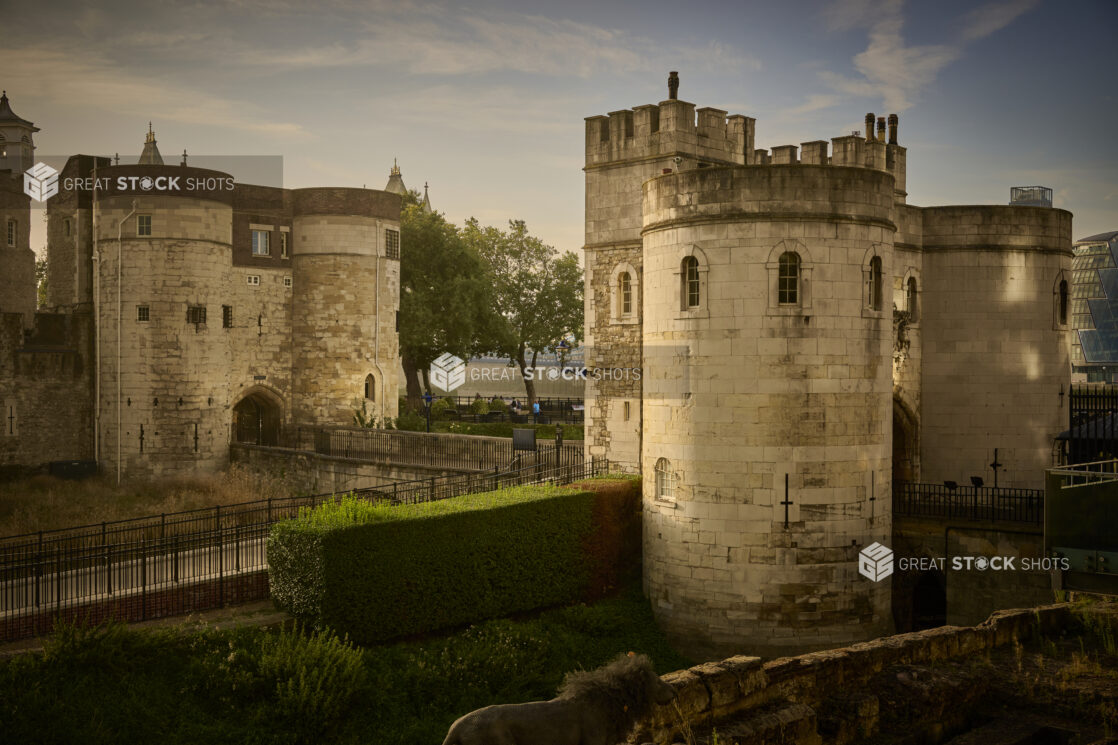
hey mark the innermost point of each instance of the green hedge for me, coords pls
(376, 572)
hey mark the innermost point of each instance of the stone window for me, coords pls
(11, 232)
(370, 388)
(143, 224)
(910, 303)
(692, 282)
(3, 147)
(788, 291)
(624, 297)
(261, 245)
(689, 273)
(227, 316)
(287, 281)
(66, 227)
(873, 284)
(143, 313)
(284, 241)
(196, 314)
(627, 409)
(392, 243)
(253, 279)
(665, 482)
(1063, 310)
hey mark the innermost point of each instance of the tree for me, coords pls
(537, 293)
(444, 295)
(41, 281)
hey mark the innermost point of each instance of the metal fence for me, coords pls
(1092, 433)
(984, 503)
(188, 561)
(462, 452)
(552, 409)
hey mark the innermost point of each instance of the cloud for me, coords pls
(90, 83)
(893, 70)
(425, 42)
(989, 19)
(815, 102)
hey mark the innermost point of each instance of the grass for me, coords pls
(47, 503)
(113, 684)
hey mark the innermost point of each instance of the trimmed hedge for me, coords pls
(376, 572)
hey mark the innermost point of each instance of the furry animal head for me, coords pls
(628, 685)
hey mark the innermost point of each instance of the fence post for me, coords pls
(143, 580)
(431, 495)
(220, 561)
(38, 569)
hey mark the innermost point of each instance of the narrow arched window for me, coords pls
(665, 489)
(910, 297)
(625, 293)
(370, 388)
(690, 277)
(1063, 302)
(3, 147)
(788, 292)
(875, 282)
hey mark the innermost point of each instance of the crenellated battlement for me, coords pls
(711, 137)
(666, 129)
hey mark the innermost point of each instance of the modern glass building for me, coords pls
(1094, 308)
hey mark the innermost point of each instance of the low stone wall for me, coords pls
(714, 691)
(312, 473)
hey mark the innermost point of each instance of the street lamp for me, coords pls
(427, 399)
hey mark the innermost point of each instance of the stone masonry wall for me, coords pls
(995, 358)
(737, 687)
(743, 390)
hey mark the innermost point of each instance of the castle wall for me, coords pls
(173, 406)
(17, 261)
(46, 409)
(995, 358)
(345, 297)
(742, 390)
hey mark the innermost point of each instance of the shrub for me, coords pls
(440, 406)
(479, 406)
(498, 406)
(379, 571)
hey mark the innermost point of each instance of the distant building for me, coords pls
(189, 311)
(1094, 309)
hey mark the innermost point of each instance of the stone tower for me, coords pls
(623, 150)
(804, 336)
(346, 264)
(17, 260)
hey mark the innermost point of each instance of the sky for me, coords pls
(485, 101)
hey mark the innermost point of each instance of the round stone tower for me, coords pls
(767, 399)
(346, 289)
(162, 359)
(996, 342)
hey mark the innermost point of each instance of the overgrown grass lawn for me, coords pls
(117, 685)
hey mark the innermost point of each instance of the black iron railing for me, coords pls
(984, 503)
(157, 566)
(1092, 433)
(434, 450)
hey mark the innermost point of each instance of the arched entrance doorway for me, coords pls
(906, 454)
(929, 600)
(257, 418)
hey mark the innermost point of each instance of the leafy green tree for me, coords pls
(444, 295)
(41, 281)
(536, 292)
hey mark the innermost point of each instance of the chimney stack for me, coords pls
(893, 120)
(881, 129)
(673, 85)
(869, 127)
